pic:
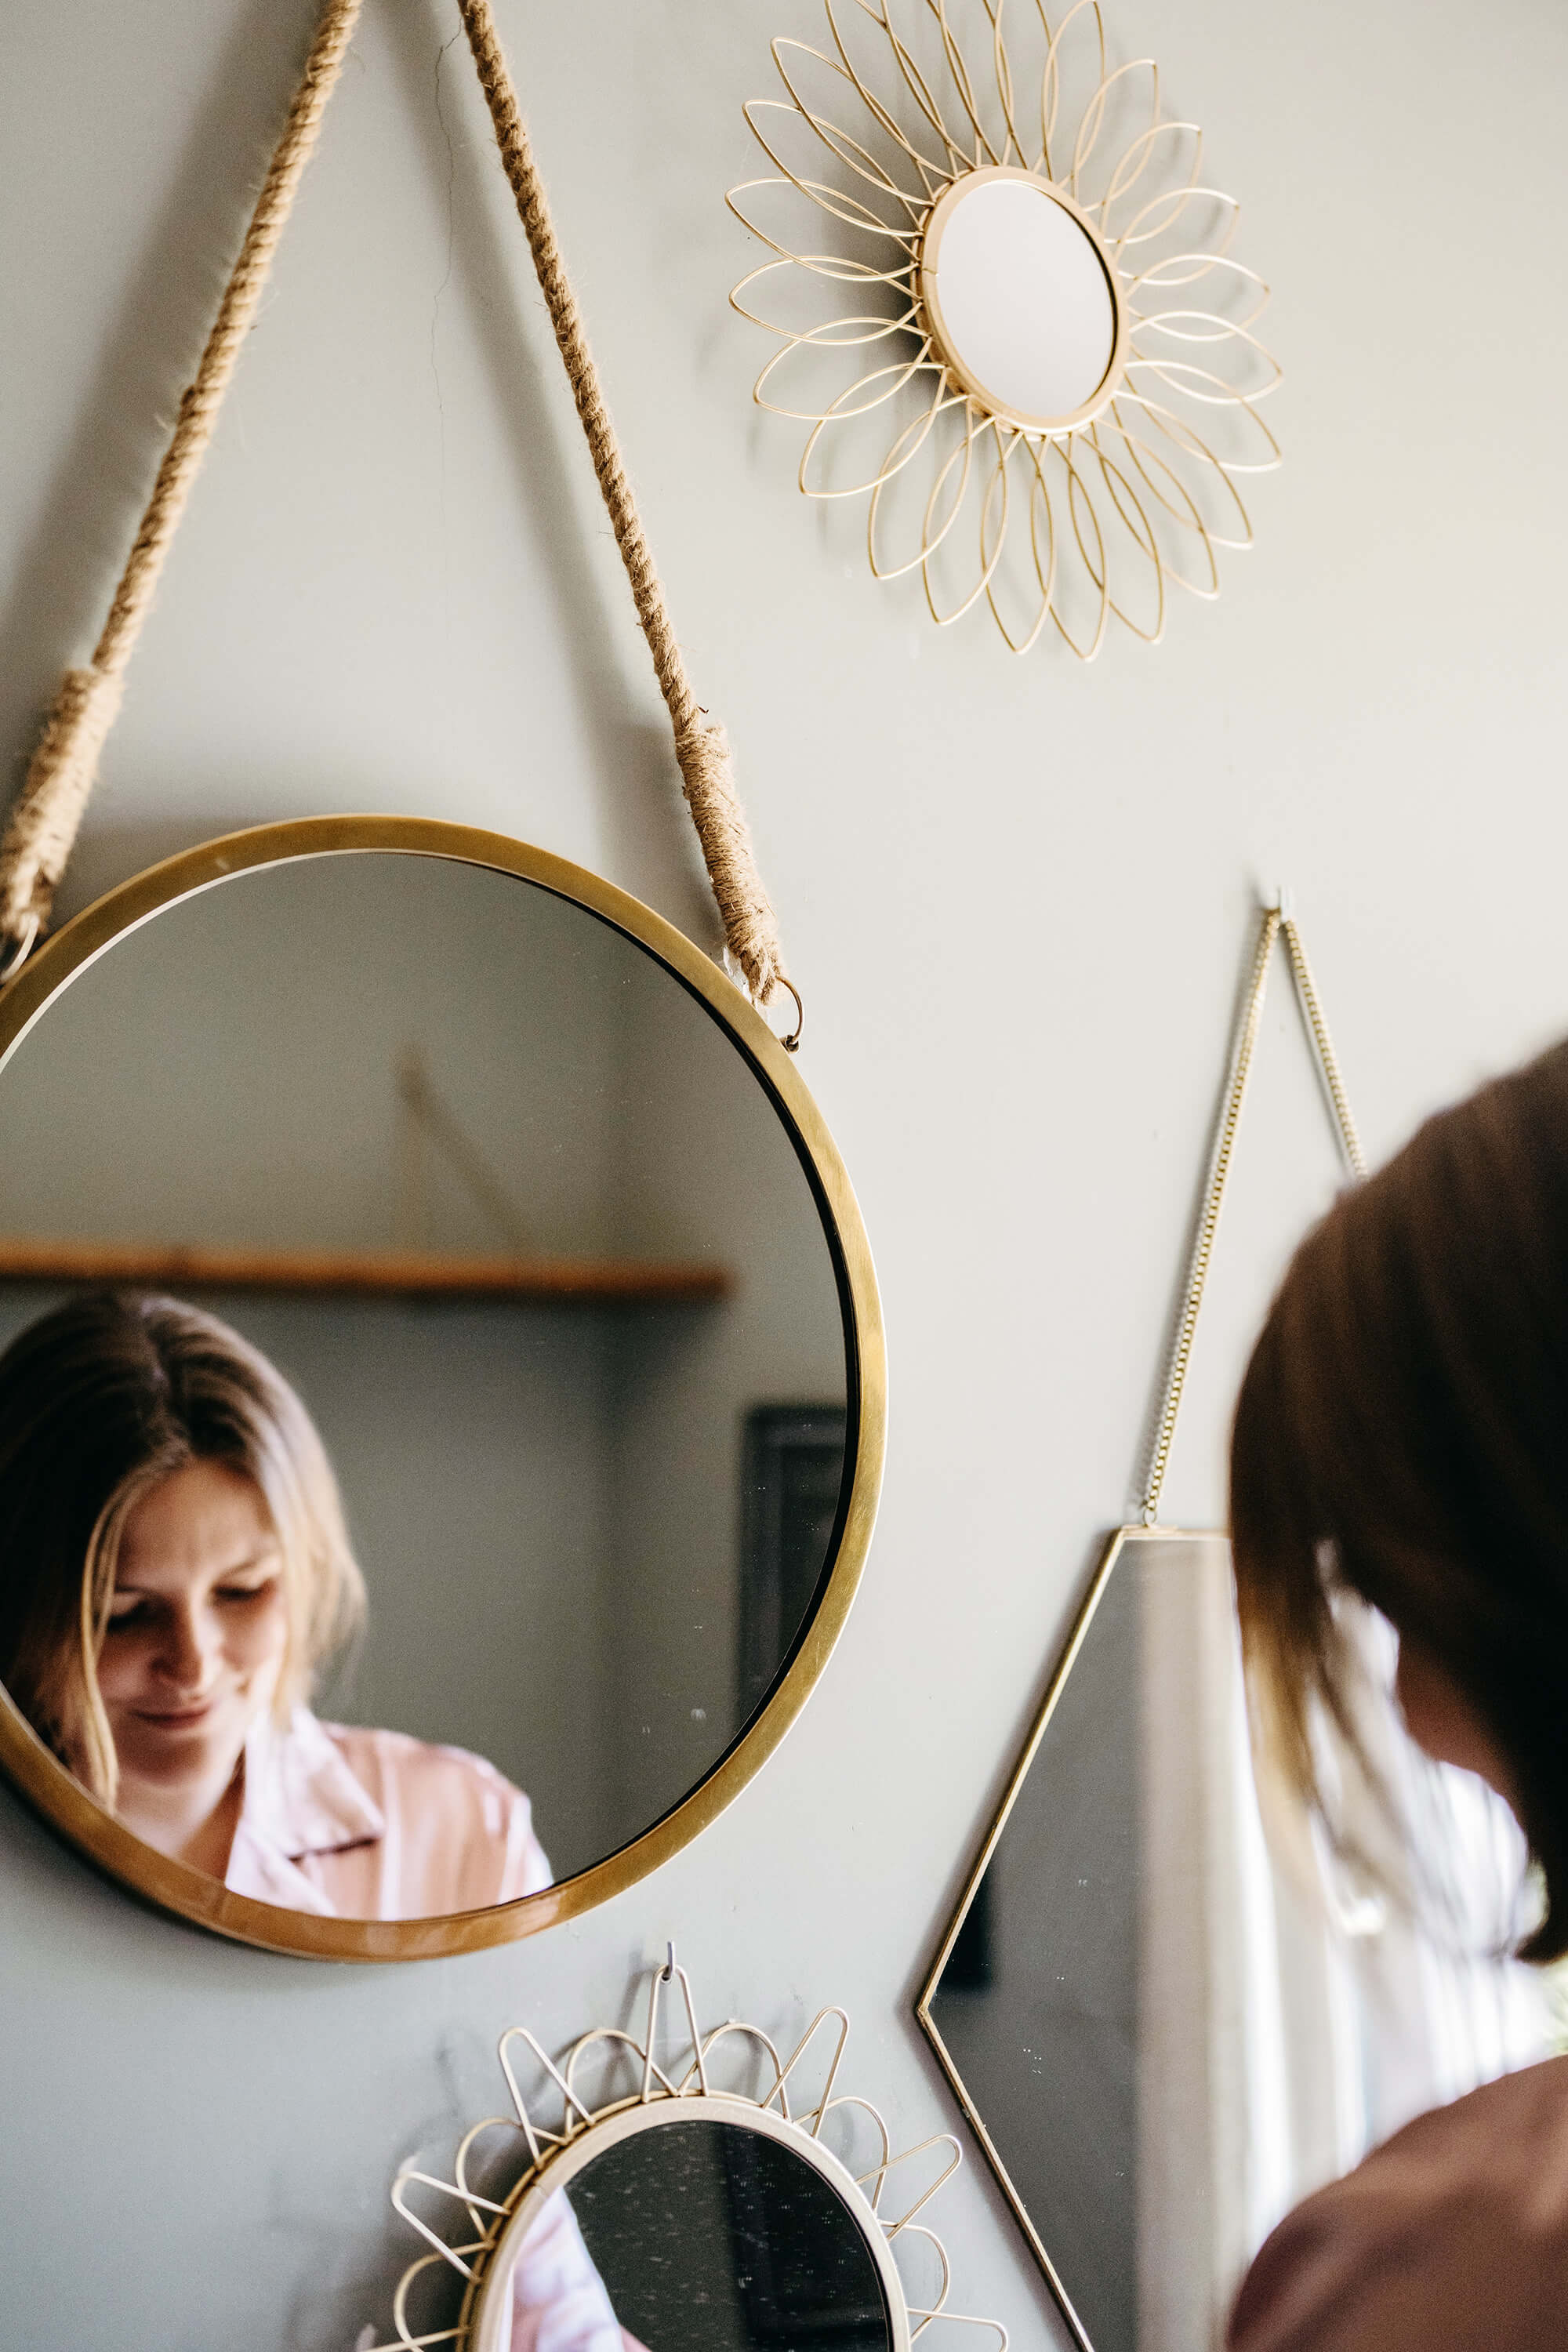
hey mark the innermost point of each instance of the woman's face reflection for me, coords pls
(196, 1634)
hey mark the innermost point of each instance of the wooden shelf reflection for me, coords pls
(366, 1273)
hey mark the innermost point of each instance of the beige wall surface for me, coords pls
(1015, 895)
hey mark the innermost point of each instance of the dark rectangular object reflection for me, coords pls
(792, 1474)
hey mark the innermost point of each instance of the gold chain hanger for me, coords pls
(1276, 922)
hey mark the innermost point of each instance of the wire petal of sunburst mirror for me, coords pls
(1009, 312)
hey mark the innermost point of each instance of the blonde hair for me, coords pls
(100, 1402)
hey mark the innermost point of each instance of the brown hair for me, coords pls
(99, 1401)
(1402, 1432)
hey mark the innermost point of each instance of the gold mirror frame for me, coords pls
(1033, 2224)
(173, 1885)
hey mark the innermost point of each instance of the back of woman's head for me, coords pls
(1402, 1432)
(100, 1400)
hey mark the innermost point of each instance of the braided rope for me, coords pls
(43, 823)
(701, 744)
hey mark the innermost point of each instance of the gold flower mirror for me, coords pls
(1024, 343)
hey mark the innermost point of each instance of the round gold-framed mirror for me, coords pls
(506, 1182)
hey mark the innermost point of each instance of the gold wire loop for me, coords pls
(792, 1043)
(32, 924)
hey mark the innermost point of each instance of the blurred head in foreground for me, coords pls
(1401, 1435)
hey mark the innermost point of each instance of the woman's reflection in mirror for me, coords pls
(175, 1571)
(1401, 1441)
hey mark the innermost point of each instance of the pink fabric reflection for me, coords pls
(559, 2302)
(354, 1824)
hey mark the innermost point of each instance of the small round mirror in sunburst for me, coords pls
(1037, 313)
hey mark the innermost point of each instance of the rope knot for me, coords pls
(43, 823)
(751, 926)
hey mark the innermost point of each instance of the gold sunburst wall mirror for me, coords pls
(1009, 312)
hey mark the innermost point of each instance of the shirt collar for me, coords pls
(300, 1798)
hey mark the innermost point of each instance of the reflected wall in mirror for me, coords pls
(386, 1164)
(1167, 2021)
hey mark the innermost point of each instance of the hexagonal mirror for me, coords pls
(1166, 2023)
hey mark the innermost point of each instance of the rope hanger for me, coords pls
(1275, 923)
(43, 823)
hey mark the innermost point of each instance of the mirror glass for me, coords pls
(1172, 2024)
(483, 1194)
(698, 2236)
(1026, 306)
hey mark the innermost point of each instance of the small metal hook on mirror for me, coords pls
(792, 1043)
(18, 955)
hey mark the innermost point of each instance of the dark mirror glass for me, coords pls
(1171, 2007)
(480, 1193)
(699, 2236)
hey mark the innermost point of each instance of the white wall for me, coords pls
(1013, 893)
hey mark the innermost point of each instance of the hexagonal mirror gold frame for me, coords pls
(1091, 2002)
(1053, 1976)
(1171, 2000)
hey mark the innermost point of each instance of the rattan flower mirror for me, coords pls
(1010, 315)
(694, 2187)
